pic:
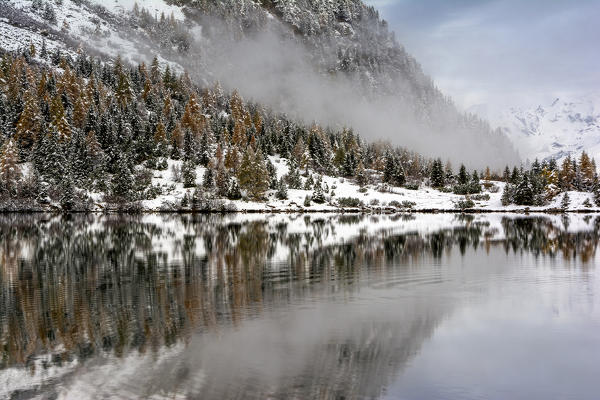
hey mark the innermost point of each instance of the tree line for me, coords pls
(79, 128)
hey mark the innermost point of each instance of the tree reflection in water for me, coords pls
(82, 287)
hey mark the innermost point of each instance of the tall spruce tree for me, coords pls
(437, 174)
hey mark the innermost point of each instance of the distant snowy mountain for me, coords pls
(553, 130)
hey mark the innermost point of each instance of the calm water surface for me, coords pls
(299, 307)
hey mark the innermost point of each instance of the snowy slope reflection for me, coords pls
(254, 306)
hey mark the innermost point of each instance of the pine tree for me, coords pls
(437, 174)
(192, 118)
(350, 164)
(565, 202)
(515, 176)
(524, 193)
(488, 174)
(30, 120)
(272, 175)
(208, 180)
(10, 173)
(299, 154)
(566, 175)
(361, 174)
(67, 190)
(234, 192)
(123, 92)
(399, 178)
(596, 190)
(222, 181)
(507, 194)
(506, 174)
(123, 182)
(449, 175)
(188, 173)
(587, 171)
(318, 196)
(253, 175)
(282, 193)
(310, 183)
(474, 186)
(293, 176)
(463, 176)
(389, 169)
(59, 124)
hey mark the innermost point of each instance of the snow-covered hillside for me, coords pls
(554, 129)
(102, 27)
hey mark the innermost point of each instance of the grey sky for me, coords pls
(501, 52)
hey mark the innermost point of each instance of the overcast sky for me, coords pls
(501, 52)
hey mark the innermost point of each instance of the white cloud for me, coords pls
(501, 51)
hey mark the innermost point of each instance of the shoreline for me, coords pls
(524, 211)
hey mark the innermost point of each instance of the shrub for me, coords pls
(351, 202)
(467, 188)
(465, 203)
(395, 203)
(153, 192)
(408, 204)
(480, 197)
(412, 186)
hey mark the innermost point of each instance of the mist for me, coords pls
(272, 68)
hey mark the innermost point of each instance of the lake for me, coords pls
(255, 306)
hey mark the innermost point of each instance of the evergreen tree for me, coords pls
(399, 178)
(524, 193)
(10, 173)
(188, 173)
(234, 192)
(208, 179)
(253, 175)
(437, 174)
(587, 171)
(507, 194)
(361, 175)
(506, 174)
(515, 177)
(389, 169)
(318, 196)
(67, 190)
(222, 181)
(565, 202)
(310, 183)
(349, 165)
(123, 182)
(30, 120)
(282, 193)
(463, 176)
(566, 175)
(59, 125)
(272, 175)
(596, 190)
(449, 175)
(293, 176)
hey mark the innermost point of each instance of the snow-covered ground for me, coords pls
(395, 198)
(102, 26)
